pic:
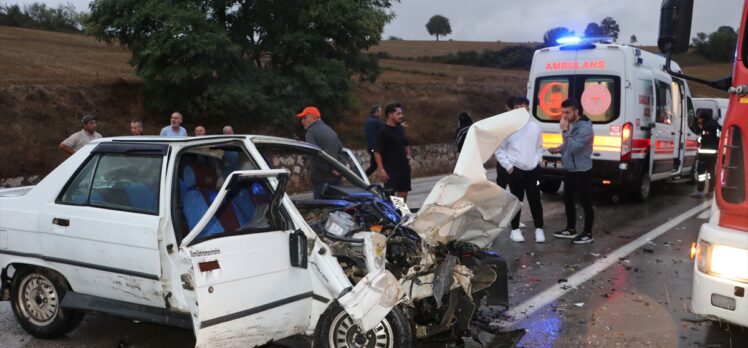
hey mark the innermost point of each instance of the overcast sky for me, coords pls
(527, 20)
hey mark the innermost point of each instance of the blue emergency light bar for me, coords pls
(568, 40)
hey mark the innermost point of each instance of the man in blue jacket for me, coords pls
(576, 157)
(371, 128)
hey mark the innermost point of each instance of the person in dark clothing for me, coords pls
(392, 152)
(502, 177)
(320, 134)
(463, 125)
(707, 155)
(371, 128)
(576, 156)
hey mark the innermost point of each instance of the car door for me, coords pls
(664, 136)
(102, 229)
(250, 286)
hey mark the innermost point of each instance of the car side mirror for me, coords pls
(675, 26)
(297, 243)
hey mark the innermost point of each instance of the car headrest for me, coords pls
(203, 176)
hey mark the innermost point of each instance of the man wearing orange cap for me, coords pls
(320, 134)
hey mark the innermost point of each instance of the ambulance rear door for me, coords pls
(664, 133)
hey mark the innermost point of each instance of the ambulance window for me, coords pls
(664, 100)
(551, 92)
(692, 117)
(598, 98)
(599, 95)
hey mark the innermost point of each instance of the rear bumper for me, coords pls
(604, 173)
(709, 288)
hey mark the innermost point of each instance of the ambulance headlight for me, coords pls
(723, 261)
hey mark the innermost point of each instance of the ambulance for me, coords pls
(638, 111)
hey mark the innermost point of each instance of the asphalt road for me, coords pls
(639, 299)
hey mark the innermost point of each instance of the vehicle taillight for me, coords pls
(626, 135)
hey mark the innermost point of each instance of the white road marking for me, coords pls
(705, 214)
(525, 309)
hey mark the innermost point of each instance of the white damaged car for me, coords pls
(217, 234)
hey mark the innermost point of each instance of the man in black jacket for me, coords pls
(707, 157)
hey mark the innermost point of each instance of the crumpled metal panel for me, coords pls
(466, 206)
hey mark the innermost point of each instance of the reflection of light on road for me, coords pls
(542, 329)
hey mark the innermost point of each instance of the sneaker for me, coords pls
(522, 225)
(516, 236)
(583, 238)
(539, 235)
(566, 234)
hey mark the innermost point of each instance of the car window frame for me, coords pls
(97, 157)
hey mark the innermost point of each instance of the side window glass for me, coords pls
(127, 182)
(664, 106)
(78, 190)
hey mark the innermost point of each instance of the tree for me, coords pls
(610, 27)
(238, 60)
(38, 16)
(634, 40)
(438, 25)
(553, 34)
(593, 30)
(718, 46)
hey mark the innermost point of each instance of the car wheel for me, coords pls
(642, 188)
(548, 186)
(36, 296)
(337, 330)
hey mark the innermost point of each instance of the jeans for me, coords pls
(578, 184)
(372, 163)
(502, 177)
(705, 168)
(521, 182)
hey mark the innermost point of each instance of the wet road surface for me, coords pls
(641, 299)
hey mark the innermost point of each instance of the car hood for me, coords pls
(465, 206)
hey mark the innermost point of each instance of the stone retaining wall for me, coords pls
(428, 160)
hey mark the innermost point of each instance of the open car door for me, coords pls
(249, 285)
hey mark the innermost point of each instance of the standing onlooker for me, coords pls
(136, 127)
(371, 128)
(707, 156)
(227, 130)
(392, 152)
(502, 177)
(520, 155)
(463, 125)
(174, 129)
(76, 140)
(200, 130)
(576, 157)
(320, 134)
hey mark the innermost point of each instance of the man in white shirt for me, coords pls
(520, 155)
(174, 129)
